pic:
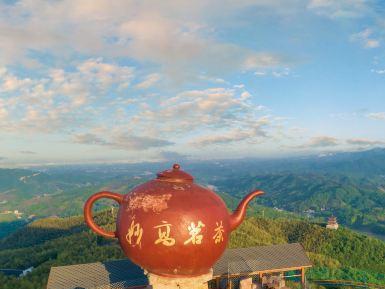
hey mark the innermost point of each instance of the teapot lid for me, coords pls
(175, 175)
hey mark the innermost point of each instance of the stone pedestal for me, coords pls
(198, 282)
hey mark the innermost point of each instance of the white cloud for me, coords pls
(59, 99)
(340, 8)
(262, 60)
(74, 92)
(176, 36)
(27, 152)
(239, 86)
(3, 70)
(323, 141)
(89, 138)
(378, 71)
(172, 156)
(216, 80)
(365, 38)
(131, 142)
(121, 141)
(320, 142)
(260, 73)
(245, 95)
(281, 73)
(196, 109)
(105, 74)
(372, 43)
(275, 72)
(10, 83)
(193, 117)
(149, 81)
(376, 115)
(364, 142)
(251, 133)
(3, 113)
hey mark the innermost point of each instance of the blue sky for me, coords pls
(129, 81)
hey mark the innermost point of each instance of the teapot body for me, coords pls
(173, 229)
(171, 226)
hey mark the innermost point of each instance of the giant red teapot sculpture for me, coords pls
(170, 226)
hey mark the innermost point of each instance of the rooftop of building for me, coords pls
(123, 274)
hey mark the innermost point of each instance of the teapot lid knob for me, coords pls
(175, 175)
(176, 166)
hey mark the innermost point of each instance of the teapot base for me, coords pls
(178, 282)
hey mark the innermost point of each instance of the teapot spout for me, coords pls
(237, 217)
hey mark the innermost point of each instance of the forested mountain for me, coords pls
(30, 194)
(340, 254)
(348, 185)
(358, 202)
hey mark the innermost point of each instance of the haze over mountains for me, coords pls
(348, 185)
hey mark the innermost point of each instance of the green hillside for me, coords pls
(42, 194)
(340, 254)
(357, 202)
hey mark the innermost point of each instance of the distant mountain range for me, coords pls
(348, 185)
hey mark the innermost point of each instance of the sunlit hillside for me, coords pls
(340, 254)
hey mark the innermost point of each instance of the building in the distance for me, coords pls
(332, 223)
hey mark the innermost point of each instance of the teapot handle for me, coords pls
(88, 212)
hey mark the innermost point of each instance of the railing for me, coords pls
(232, 281)
(307, 285)
(341, 283)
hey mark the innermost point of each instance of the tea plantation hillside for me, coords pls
(340, 254)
